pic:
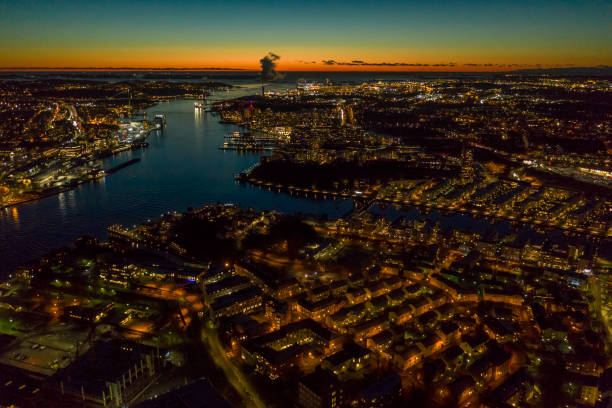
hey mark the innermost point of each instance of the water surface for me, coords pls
(181, 168)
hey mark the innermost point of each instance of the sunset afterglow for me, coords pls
(318, 36)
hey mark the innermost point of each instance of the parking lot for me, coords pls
(47, 352)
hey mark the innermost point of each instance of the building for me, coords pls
(369, 328)
(352, 357)
(245, 301)
(198, 394)
(515, 391)
(225, 286)
(285, 288)
(321, 389)
(459, 393)
(110, 374)
(407, 358)
(383, 393)
(318, 310)
(277, 352)
(89, 314)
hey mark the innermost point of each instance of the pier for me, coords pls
(118, 167)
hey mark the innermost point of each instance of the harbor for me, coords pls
(181, 167)
(63, 176)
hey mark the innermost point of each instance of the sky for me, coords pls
(434, 35)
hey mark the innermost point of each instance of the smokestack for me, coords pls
(268, 72)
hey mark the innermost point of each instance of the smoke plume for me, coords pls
(268, 65)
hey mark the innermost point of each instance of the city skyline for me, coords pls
(316, 36)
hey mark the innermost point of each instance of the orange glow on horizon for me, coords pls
(299, 68)
(185, 58)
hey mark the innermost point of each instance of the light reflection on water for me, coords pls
(15, 213)
(181, 168)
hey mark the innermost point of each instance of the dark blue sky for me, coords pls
(237, 33)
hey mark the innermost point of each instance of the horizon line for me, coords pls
(249, 70)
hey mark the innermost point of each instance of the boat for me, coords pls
(198, 105)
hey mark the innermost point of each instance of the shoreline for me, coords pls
(371, 196)
(5, 270)
(58, 190)
(55, 191)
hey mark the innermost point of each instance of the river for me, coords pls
(182, 167)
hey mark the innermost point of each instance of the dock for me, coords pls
(118, 167)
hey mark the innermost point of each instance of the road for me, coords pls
(599, 307)
(234, 376)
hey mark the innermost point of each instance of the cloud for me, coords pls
(480, 65)
(362, 63)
